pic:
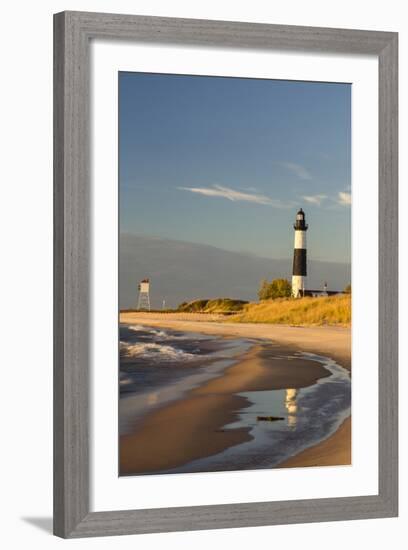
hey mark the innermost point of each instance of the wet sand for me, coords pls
(191, 428)
(333, 451)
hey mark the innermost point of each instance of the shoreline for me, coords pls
(335, 450)
(167, 438)
(322, 340)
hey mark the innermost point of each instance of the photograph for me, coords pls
(235, 287)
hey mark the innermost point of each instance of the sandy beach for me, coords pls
(192, 427)
(333, 341)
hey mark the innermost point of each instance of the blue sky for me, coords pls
(228, 162)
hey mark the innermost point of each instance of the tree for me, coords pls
(278, 288)
(347, 289)
(263, 292)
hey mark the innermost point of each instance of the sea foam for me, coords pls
(156, 333)
(155, 352)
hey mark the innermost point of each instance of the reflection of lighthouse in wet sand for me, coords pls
(291, 407)
(299, 256)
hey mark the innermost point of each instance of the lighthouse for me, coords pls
(299, 256)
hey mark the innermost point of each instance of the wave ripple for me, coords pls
(155, 352)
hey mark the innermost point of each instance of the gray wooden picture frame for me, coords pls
(72, 34)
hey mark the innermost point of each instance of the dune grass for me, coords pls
(331, 310)
(216, 305)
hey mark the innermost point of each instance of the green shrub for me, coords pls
(278, 288)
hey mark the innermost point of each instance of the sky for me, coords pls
(228, 162)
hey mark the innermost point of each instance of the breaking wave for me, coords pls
(156, 333)
(155, 352)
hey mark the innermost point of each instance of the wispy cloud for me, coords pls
(315, 199)
(300, 171)
(344, 198)
(236, 195)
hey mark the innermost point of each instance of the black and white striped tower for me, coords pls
(299, 256)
